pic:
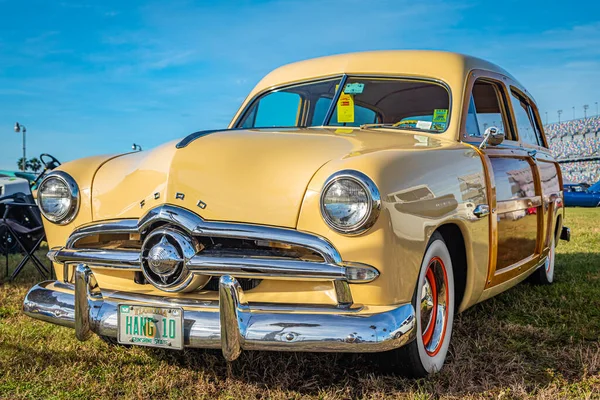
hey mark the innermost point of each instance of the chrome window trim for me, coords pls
(74, 194)
(374, 201)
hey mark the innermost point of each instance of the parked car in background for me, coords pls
(356, 203)
(29, 176)
(582, 195)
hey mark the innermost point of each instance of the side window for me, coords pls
(487, 98)
(524, 120)
(275, 109)
(320, 112)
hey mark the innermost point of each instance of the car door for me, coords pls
(516, 217)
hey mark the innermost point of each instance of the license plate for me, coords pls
(150, 326)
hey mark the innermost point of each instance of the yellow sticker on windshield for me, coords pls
(345, 108)
(440, 115)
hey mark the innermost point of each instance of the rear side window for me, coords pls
(526, 121)
(526, 127)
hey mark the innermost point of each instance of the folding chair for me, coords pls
(23, 222)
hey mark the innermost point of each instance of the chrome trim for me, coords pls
(332, 268)
(236, 326)
(83, 275)
(520, 204)
(187, 280)
(119, 259)
(275, 268)
(106, 227)
(481, 210)
(74, 195)
(241, 267)
(374, 201)
(335, 99)
(492, 136)
(231, 304)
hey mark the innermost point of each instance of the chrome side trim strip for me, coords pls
(236, 326)
(519, 204)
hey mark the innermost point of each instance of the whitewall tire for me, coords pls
(434, 303)
(545, 274)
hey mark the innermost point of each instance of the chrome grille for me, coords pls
(244, 251)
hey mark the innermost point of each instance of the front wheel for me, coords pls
(434, 303)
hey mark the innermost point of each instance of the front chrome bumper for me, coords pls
(232, 325)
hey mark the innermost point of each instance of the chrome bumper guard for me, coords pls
(233, 325)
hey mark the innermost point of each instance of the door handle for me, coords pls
(482, 210)
(532, 153)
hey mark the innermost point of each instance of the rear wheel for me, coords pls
(434, 304)
(545, 274)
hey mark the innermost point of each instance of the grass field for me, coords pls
(540, 342)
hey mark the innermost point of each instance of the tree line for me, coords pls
(33, 164)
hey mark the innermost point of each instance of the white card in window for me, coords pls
(423, 124)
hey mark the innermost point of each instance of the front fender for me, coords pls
(421, 190)
(83, 171)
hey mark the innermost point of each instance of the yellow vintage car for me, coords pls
(355, 203)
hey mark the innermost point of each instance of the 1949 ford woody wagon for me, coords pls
(355, 204)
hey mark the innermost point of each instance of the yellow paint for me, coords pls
(275, 178)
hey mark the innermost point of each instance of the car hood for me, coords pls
(252, 176)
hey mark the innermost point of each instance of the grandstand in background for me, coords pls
(576, 145)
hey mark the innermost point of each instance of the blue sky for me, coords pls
(93, 77)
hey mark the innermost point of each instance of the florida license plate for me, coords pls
(150, 326)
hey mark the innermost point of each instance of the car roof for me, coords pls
(442, 65)
(450, 68)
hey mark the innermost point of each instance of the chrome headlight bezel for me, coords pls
(74, 197)
(373, 206)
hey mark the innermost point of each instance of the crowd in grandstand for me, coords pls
(574, 139)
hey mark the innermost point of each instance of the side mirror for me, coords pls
(492, 136)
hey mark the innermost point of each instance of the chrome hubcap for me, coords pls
(434, 304)
(426, 304)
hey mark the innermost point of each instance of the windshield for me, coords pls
(392, 102)
(595, 187)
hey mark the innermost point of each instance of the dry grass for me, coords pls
(531, 342)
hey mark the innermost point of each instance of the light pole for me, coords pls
(573, 112)
(559, 112)
(585, 108)
(596, 109)
(546, 117)
(136, 147)
(22, 128)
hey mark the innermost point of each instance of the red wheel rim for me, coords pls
(434, 306)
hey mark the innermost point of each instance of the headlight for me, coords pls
(58, 197)
(350, 202)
